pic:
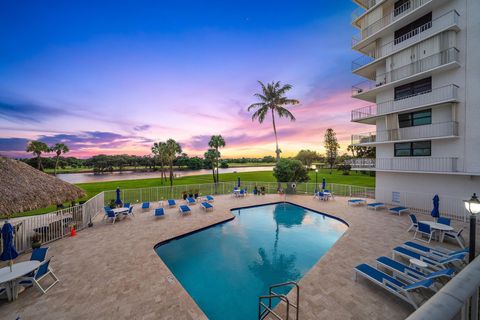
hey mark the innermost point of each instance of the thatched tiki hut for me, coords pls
(23, 188)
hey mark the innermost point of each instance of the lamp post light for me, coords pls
(316, 180)
(473, 207)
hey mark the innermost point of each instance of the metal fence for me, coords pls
(55, 225)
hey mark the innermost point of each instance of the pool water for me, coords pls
(226, 267)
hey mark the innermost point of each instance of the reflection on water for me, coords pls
(132, 175)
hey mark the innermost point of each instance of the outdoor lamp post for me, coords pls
(316, 180)
(473, 207)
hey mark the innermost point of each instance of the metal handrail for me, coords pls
(263, 314)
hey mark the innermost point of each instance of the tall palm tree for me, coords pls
(159, 152)
(172, 149)
(273, 100)
(37, 148)
(216, 142)
(59, 149)
(210, 156)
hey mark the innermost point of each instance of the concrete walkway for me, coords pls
(112, 271)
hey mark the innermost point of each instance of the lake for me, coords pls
(132, 175)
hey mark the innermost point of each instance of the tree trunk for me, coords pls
(213, 172)
(217, 167)
(56, 166)
(39, 162)
(171, 173)
(277, 151)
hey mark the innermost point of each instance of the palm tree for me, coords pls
(159, 152)
(37, 148)
(273, 99)
(210, 156)
(216, 142)
(59, 149)
(172, 148)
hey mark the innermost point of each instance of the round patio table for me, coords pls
(20, 269)
(438, 226)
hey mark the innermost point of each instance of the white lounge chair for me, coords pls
(184, 209)
(376, 205)
(206, 206)
(398, 210)
(356, 202)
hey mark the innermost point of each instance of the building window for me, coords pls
(413, 28)
(413, 149)
(414, 88)
(413, 119)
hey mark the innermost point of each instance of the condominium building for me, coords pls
(421, 64)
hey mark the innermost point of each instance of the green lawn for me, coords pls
(354, 178)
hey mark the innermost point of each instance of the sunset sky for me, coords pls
(112, 77)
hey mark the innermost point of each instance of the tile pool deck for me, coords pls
(112, 272)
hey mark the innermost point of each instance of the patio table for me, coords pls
(8, 277)
(439, 227)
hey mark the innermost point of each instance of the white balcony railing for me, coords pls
(420, 164)
(435, 130)
(428, 63)
(366, 4)
(421, 33)
(435, 96)
(388, 19)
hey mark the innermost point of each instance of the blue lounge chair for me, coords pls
(411, 274)
(356, 202)
(424, 230)
(42, 271)
(184, 209)
(146, 205)
(376, 205)
(444, 220)
(434, 253)
(414, 225)
(391, 284)
(159, 212)
(190, 201)
(432, 263)
(171, 203)
(206, 206)
(209, 198)
(398, 210)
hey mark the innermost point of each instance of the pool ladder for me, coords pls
(264, 310)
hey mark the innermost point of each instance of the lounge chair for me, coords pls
(455, 235)
(376, 205)
(42, 271)
(146, 205)
(398, 210)
(432, 263)
(356, 202)
(424, 230)
(389, 283)
(443, 220)
(171, 203)
(434, 253)
(159, 212)
(410, 274)
(206, 206)
(190, 200)
(414, 225)
(209, 198)
(184, 209)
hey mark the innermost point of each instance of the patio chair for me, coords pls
(190, 201)
(209, 198)
(398, 210)
(146, 205)
(159, 212)
(457, 236)
(242, 193)
(321, 196)
(443, 220)
(171, 203)
(438, 253)
(391, 284)
(39, 254)
(376, 205)
(106, 209)
(458, 258)
(414, 225)
(129, 213)
(356, 202)
(184, 209)
(111, 215)
(42, 271)
(411, 274)
(126, 205)
(206, 206)
(424, 230)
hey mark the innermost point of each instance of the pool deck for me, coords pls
(112, 272)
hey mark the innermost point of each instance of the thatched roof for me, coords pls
(24, 188)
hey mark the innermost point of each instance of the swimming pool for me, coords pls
(226, 267)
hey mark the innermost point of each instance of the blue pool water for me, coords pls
(226, 267)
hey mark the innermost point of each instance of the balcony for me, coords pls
(408, 164)
(448, 21)
(367, 90)
(366, 4)
(397, 17)
(433, 131)
(445, 94)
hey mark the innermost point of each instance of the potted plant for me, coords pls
(184, 195)
(36, 241)
(112, 204)
(190, 193)
(196, 193)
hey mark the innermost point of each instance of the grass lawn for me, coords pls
(354, 178)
